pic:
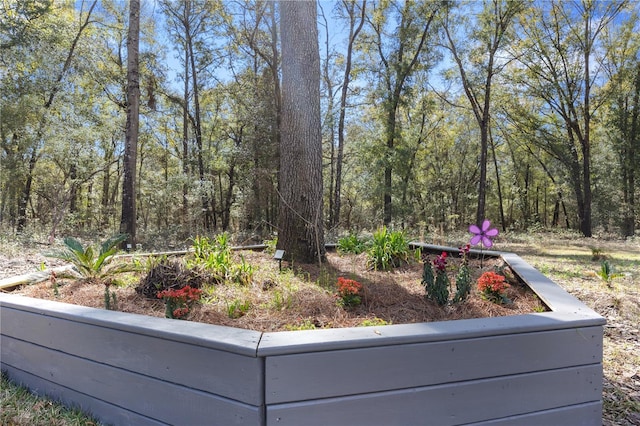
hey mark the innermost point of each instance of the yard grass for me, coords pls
(565, 258)
(20, 407)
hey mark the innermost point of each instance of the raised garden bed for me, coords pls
(538, 368)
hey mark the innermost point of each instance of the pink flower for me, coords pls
(482, 235)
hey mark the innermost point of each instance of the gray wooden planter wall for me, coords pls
(126, 369)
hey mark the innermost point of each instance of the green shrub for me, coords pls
(351, 244)
(93, 262)
(216, 258)
(388, 249)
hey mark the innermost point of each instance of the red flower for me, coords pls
(490, 282)
(440, 262)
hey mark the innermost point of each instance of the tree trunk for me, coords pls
(300, 216)
(128, 218)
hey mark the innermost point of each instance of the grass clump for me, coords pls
(19, 407)
(388, 249)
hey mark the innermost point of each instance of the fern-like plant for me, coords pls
(607, 273)
(93, 262)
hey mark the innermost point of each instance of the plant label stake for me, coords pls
(278, 256)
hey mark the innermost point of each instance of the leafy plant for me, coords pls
(178, 301)
(492, 286)
(388, 249)
(597, 254)
(607, 273)
(351, 244)
(348, 292)
(463, 279)
(436, 285)
(110, 299)
(271, 245)
(216, 258)
(238, 308)
(241, 273)
(93, 262)
(373, 322)
(307, 324)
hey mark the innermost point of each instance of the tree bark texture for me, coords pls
(300, 231)
(128, 218)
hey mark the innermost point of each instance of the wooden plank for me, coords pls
(348, 372)
(292, 342)
(554, 296)
(147, 396)
(230, 339)
(38, 276)
(450, 404)
(589, 414)
(223, 373)
(106, 413)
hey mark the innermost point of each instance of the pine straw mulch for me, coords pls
(302, 296)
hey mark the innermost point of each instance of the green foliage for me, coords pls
(307, 324)
(597, 254)
(271, 245)
(110, 299)
(463, 284)
(351, 244)
(19, 406)
(388, 249)
(92, 262)
(348, 292)
(216, 258)
(238, 308)
(607, 273)
(374, 322)
(436, 285)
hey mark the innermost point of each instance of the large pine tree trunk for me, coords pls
(128, 218)
(300, 231)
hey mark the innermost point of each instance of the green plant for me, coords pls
(463, 279)
(270, 245)
(178, 301)
(436, 285)
(492, 286)
(607, 273)
(19, 406)
(348, 292)
(373, 322)
(387, 249)
(54, 283)
(110, 299)
(238, 308)
(92, 262)
(597, 254)
(241, 273)
(351, 244)
(216, 258)
(307, 324)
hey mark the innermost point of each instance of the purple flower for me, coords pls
(440, 262)
(483, 235)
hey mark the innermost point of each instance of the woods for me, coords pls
(416, 114)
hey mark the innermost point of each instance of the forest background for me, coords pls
(434, 115)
